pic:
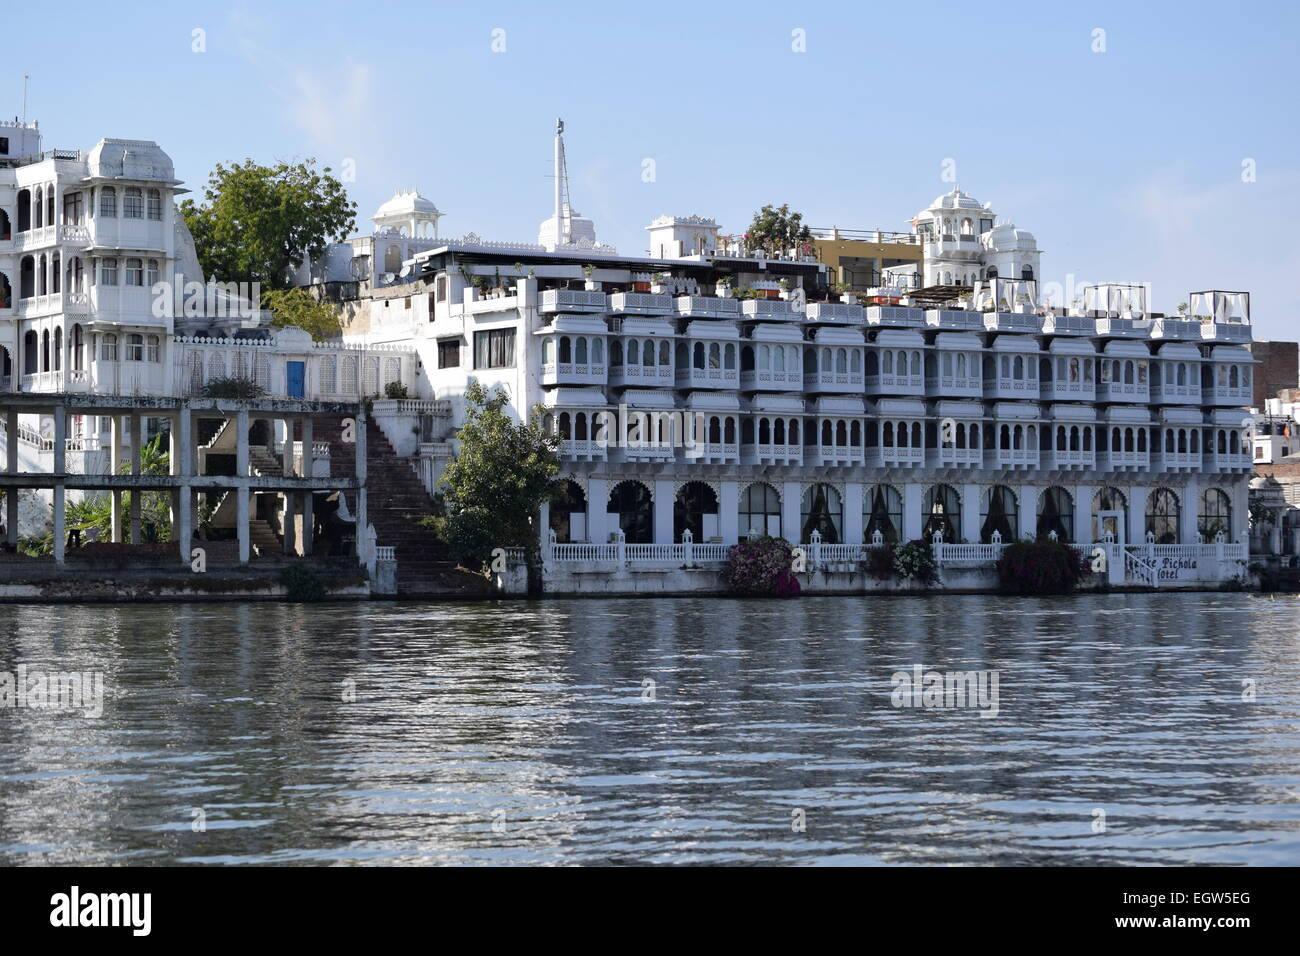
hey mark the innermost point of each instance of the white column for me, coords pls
(363, 519)
(729, 512)
(60, 439)
(1137, 514)
(137, 439)
(791, 506)
(663, 511)
(597, 501)
(241, 443)
(1083, 495)
(184, 522)
(241, 522)
(913, 520)
(1028, 504)
(970, 513)
(288, 524)
(1189, 499)
(114, 465)
(59, 529)
(11, 466)
(853, 492)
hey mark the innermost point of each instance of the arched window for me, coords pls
(1162, 516)
(941, 511)
(135, 347)
(822, 512)
(1027, 273)
(108, 347)
(45, 350)
(569, 512)
(696, 508)
(631, 501)
(1215, 515)
(108, 202)
(1000, 512)
(78, 341)
(58, 350)
(1056, 513)
(882, 510)
(134, 272)
(31, 352)
(760, 510)
(155, 204)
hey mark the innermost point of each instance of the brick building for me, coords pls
(1279, 367)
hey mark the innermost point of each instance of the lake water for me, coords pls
(659, 731)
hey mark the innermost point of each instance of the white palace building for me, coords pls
(704, 391)
(709, 391)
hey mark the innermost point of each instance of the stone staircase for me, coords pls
(263, 539)
(396, 501)
(264, 463)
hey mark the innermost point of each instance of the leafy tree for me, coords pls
(299, 307)
(504, 471)
(777, 228)
(257, 222)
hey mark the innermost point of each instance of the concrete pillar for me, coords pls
(59, 527)
(184, 526)
(308, 438)
(363, 519)
(791, 506)
(308, 523)
(1028, 504)
(184, 429)
(241, 522)
(663, 511)
(913, 519)
(729, 512)
(853, 495)
(1189, 500)
(970, 512)
(1083, 495)
(241, 443)
(114, 467)
(11, 466)
(597, 502)
(137, 439)
(60, 439)
(1137, 514)
(286, 454)
(288, 524)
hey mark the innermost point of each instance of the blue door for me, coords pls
(297, 372)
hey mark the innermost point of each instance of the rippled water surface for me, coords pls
(647, 731)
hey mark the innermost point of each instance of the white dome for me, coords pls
(404, 204)
(956, 200)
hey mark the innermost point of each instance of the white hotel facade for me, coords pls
(710, 391)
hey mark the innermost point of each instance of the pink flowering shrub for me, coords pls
(762, 567)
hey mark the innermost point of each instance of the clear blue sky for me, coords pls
(1126, 164)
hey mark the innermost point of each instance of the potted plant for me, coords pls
(722, 288)
(590, 284)
(657, 286)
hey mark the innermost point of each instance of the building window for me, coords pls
(133, 203)
(1001, 513)
(760, 511)
(941, 511)
(448, 353)
(135, 348)
(108, 347)
(72, 208)
(152, 343)
(1056, 513)
(155, 205)
(108, 202)
(882, 510)
(494, 348)
(822, 512)
(440, 289)
(1162, 516)
(631, 501)
(1216, 515)
(151, 274)
(108, 272)
(134, 272)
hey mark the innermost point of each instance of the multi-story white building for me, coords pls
(706, 391)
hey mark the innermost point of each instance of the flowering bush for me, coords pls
(1041, 567)
(914, 561)
(762, 566)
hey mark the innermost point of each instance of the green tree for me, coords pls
(257, 222)
(777, 228)
(495, 485)
(299, 307)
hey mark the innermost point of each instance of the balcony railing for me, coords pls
(893, 384)
(952, 457)
(832, 381)
(766, 309)
(641, 303)
(707, 306)
(950, 386)
(647, 375)
(1069, 458)
(1176, 394)
(573, 300)
(841, 313)
(572, 373)
(770, 380)
(692, 377)
(765, 454)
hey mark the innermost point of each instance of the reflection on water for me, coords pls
(525, 733)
